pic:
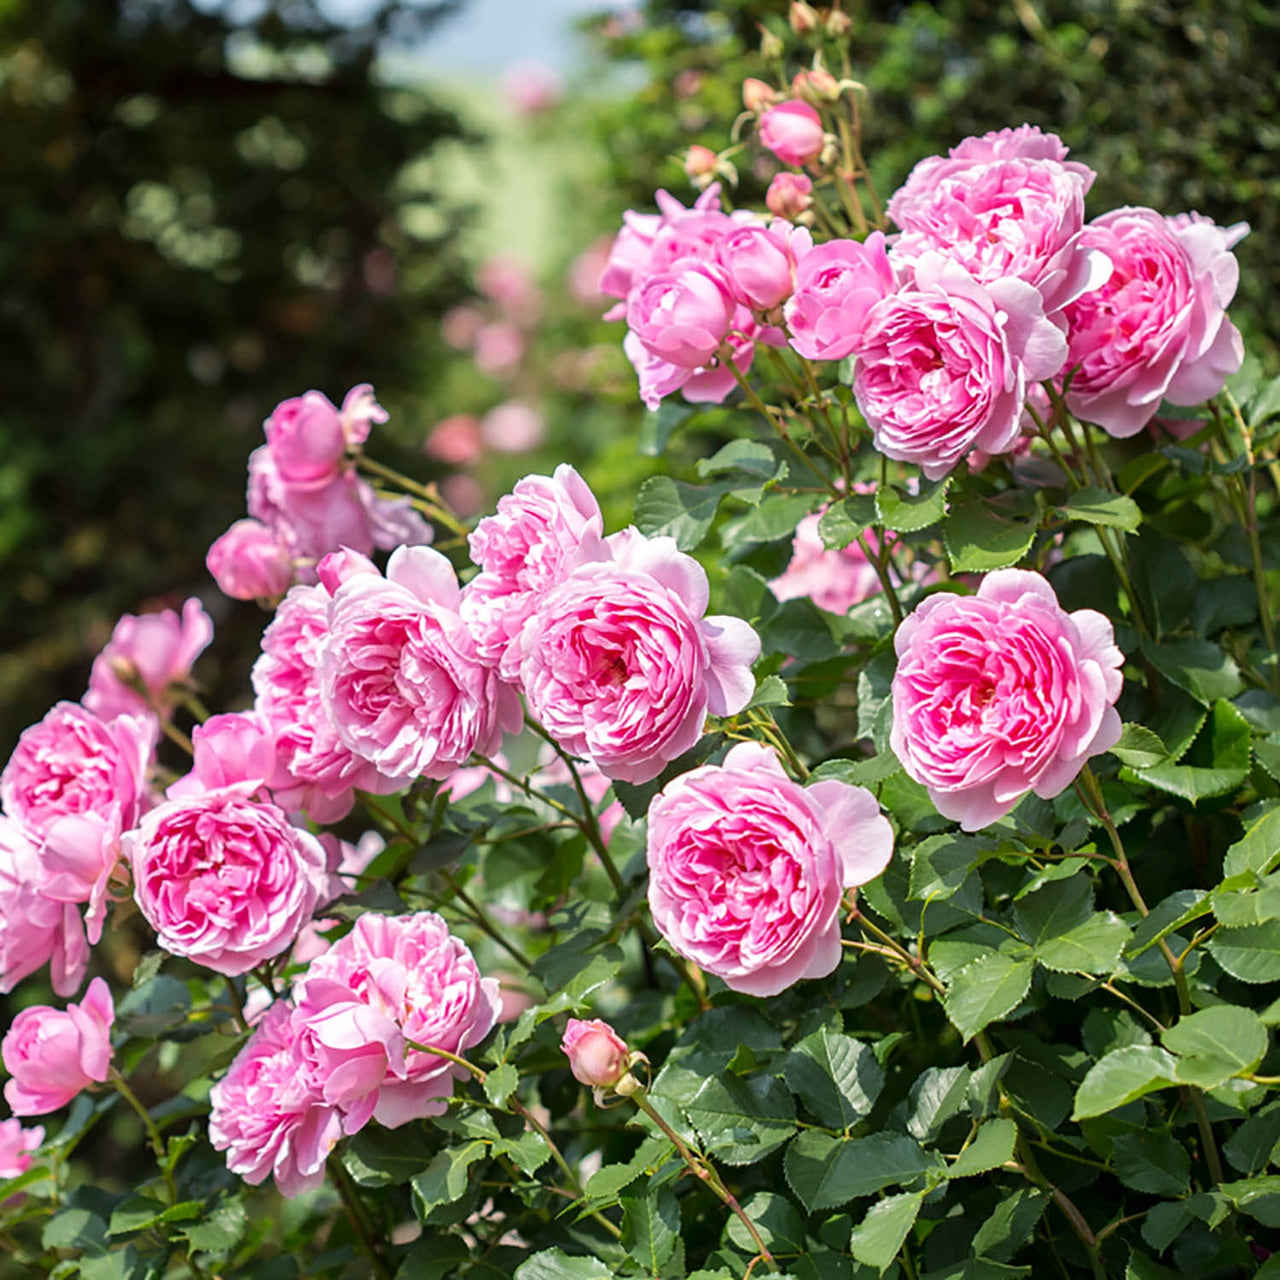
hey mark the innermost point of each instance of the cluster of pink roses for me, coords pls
(352, 1045)
(995, 283)
(305, 499)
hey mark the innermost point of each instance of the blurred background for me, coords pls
(211, 205)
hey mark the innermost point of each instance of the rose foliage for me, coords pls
(864, 862)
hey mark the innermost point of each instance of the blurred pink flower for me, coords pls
(499, 348)
(512, 427)
(455, 440)
(531, 88)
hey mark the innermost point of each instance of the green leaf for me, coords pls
(1258, 1197)
(1121, 1076)
(1163, 579)
(678, 510)
(878, 1237)
(907, 513)
(859, 773)
(1093, 947)
(1250, 1148)
(826, 1171)
(657, 425)
(651, 1226)
(378, 1157)
(938, 1094)
(986, 989)
(992, 1146)
(941, 864)
(500, 1084)
(1169, 914)
(844, 520)
(444, 1180)
(1139, 748)
(529, 1150)
(138, 1212)
(775, 1218)
(837, 1077)
(572, 972)
(776, 517)
(754, 458)
(979, 538)
(75, 1228)
(221, 1230)
(742, 1121)
(555, 1264)
(1216, 763)
(1153, 1161)
(1258, 850)
(770, 692)
(1098, 506)
(1215, 1044)
(1250, 953)
(1199, 667)
(1164, 1223)
(1011, 1224)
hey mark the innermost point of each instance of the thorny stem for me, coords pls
(174, 734)
(432, 505)
(886, 583)
(117, 1082)
(357, 1216)
(237, 1005)
(477, 917)
(703, 1171)
(774, 420)
(914, 963)
(1091, 793)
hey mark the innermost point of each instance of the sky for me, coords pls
(490, 36)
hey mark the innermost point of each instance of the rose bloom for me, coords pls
(1011, 217)
(315, 771)
(620, 666)
(269, 1113)
(759, 262)
(306, 437)
(412, 972)
(236, 749)
(35, 929)
(53, 1054)
(836, 284)
(597, 1055)
(401, 677)
(249, 562)
(682, 315)
(793, 132)
(833, 580)
(16, 1145)
(1002, 693)
(525, 548)
(224, 880)
(747, 869)
(943, 368)
(1158, 329)
(155, 649)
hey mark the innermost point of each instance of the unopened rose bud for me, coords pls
(789, 195)
(816, 86)
(597, 1055)
(793, 132)
(700, 164)
(803, 17)
(839, 24)
(770, 46)
(756, 95)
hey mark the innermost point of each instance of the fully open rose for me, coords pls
(1002, 693)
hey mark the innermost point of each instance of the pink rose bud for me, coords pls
(803, 17)
(53, 1054)
(759, 264)
(793, 132)
(1002, 693)
(700, 163)
(816, 86)
(306, 437)
(839, 24)
(338, 566)
(597, 1055)
(789, 195)
(771, 46)
(682, 315)
(249, 563)
(756, 95)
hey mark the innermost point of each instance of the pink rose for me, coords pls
(224, 880)
(236, 749)
(943, 368)
(747, 869)
(34, 928)
(757, 94)
(401, 677)
(315, 770)
(53, 1054)
(1158, 329)
(793, 132)
(760, 261)
(455, 440)
(789, 195)
(499, 348)
(269, 1112)
(537, 533)
(413, 972)
(837, 283)
(1002, 693)
(16, 1145)
(598, 1056)
(306, 437)
(1010, 217)
(250, 563)
(512, 427)
(620, 665)
(833, 580)
(682, 315)
(156, 649)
